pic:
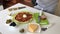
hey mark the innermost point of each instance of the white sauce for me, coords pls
(24, 16)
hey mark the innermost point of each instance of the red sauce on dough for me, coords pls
(19, 16)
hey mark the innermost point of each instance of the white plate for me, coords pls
(38, 29)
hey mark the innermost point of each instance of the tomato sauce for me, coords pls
(19, 16)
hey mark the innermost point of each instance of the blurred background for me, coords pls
(7, 3)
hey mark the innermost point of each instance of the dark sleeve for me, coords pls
(1, 2)
(4, 2)
(34, 2)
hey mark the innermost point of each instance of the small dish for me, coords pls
(38, 30)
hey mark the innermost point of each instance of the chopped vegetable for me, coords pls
(8, 21)
(22, 30)
(36, 15)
